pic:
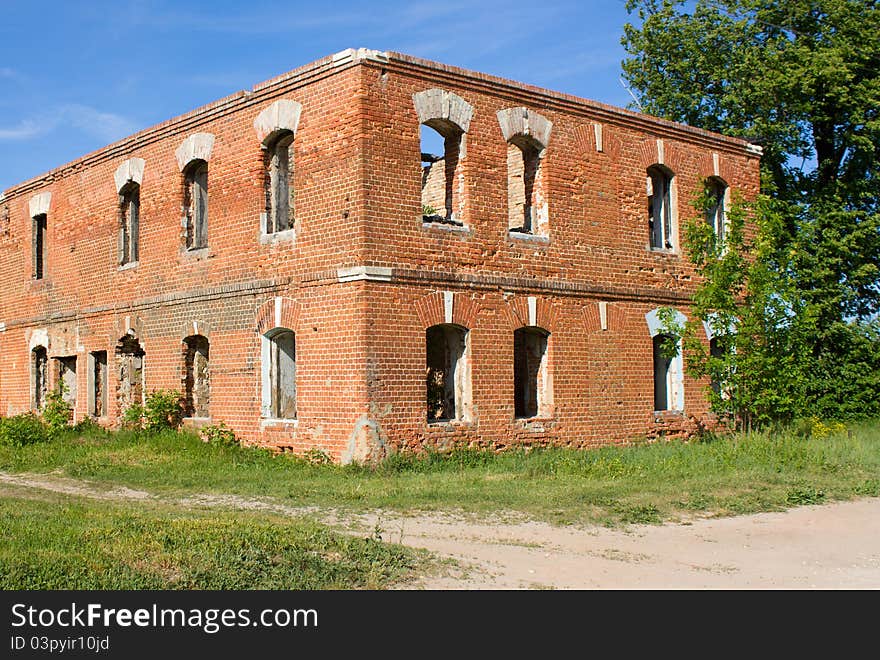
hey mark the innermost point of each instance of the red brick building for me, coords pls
(294, 261)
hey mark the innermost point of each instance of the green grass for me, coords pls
(612, 485)
(58, 542)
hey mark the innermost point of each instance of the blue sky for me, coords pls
(78, 75)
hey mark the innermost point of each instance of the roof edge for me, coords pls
(351, 57)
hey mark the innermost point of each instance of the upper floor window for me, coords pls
(129, 223)
(39, 223)
(716, 191)
(276, 127)
(128, 177)
(524, 185)
(527, 134)
(660, 207)
(444, 119)
(441, 172)
(196, 204)
(279, 187)
(192, 159)
(38, 206)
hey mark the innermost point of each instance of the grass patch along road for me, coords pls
(52, 541)
(611, 485)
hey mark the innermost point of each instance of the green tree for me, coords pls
(801, 78)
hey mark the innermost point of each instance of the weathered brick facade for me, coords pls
(362, 275)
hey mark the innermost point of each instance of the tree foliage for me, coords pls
(801, 78)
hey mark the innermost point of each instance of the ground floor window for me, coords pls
(279, 374)
(130, 369)
(39, 377)
(98, 383)
(196, 382)
(530, 378)
(447, 372)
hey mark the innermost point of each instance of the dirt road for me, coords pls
(832, 546)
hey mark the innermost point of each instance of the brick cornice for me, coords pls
(517, 93)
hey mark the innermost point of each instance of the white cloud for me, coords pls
(27, 128)
(105, 126)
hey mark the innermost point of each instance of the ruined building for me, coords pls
(301, 267)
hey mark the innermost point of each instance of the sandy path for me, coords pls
(832, 546)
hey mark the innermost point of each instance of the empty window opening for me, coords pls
(98, 383)
(716, 190)
(39, 377)
(441, 173)
(39, 237)
(716, 350)
(530, 380)
(195, 203)
(447, 373)
(659, 190)
(67, 379)
(280, 375)
(279, 183)
(667, 374)
(196, 382)
(129, 222)
(130, 367)
(524, 185)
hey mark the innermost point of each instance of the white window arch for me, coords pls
(278, 352)
(668, 372)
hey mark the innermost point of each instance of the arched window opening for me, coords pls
(66, 371)
(524, 185)
(279, 374)
(196, 377)
(130, 370)
(39, 377)
(662, 373)
(717, 349)
(129, 222)
(660, 215)
(195, 204)
(39, 224)
(716, 191)
(530, 378)
(97, 376)
(279, 183)
(447, 373)
(441, 143)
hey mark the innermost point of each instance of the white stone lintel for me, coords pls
(360, 273)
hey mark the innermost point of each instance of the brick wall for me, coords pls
(361, 276)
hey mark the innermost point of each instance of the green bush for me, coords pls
(57, 413)
(133, 417)
(163, 410)
(88, 426)
(219, 435)
(21, 430)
